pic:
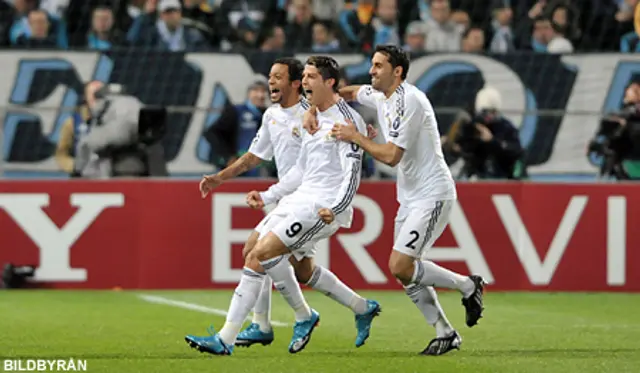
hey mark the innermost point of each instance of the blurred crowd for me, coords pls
(322, 26)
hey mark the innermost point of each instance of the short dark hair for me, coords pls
(397, 57)
(328, 68)
(295, 68)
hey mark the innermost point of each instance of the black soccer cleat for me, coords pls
(442, 345)
(473, 303)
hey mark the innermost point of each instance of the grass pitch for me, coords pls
(521, 332)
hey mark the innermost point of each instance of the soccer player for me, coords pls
(280, 135)
(426, 190)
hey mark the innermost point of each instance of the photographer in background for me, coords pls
(231, 135)
(616, 146)
(109, 146)
(487, 142)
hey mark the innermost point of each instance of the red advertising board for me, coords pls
(162, 235)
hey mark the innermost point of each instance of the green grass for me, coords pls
(521, 332)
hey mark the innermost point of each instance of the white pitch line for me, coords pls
(194, 307)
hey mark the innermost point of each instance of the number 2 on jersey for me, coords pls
(415, 238)
(294, 229)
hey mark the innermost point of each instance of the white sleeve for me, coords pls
(351, 161)
(405, 127)
(368, 96)
(261, 145)
(287, 184)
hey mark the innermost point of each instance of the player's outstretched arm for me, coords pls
(240, 166)
(243, 164)
(388, 153)
(350, 93)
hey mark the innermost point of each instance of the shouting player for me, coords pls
(426, 190)
(280, 136)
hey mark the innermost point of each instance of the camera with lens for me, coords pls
(617, 139)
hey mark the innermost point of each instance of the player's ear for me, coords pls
(397, 72)
(296, 84)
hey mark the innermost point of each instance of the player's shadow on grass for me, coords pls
(579, 353)
(548, 352)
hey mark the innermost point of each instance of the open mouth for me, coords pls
(308, 92)
(274, 92)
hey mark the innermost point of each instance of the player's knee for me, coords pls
(303, 274)
(250, 244)
(262, 250)
(303, 269)
(401, 266)
(252, 262)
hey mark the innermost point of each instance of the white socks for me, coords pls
(284, 279)
(262, 311)
(426, 299)
(330, 285)
(428, 273)
(243, 300)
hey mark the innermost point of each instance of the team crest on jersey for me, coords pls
(295, 132)
(329, 136)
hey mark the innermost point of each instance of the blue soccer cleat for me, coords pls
(302, 332)
(211, 344)
(252, 335)
(363, 322)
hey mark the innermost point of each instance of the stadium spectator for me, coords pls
(324, 39)
(327, 10)
(564, 17)
(473, 40)
(56, 29)
(247, 35)
(630, 42)
(102, 35)
(39, 32)
(274, 40)
(299, 31)
(231, 135)
(385, 23)
(415, 37)
(461, 18)
(548, 37)
(558, 42)
(502, 36)
(200, 15)
(356, 27)
(6, 20)
(443, 35)
(258, 15)
(55, 8)
(169, 33)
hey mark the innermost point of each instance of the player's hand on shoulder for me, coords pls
(326, 215)
(254, 200)
(209, 183)
(343, 132)
(372, 132)
(309, 121)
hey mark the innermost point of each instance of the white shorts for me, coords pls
(298, 227)
(416, 229)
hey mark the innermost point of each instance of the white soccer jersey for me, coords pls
(280, 135)
(327, 174)
(407, 120)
